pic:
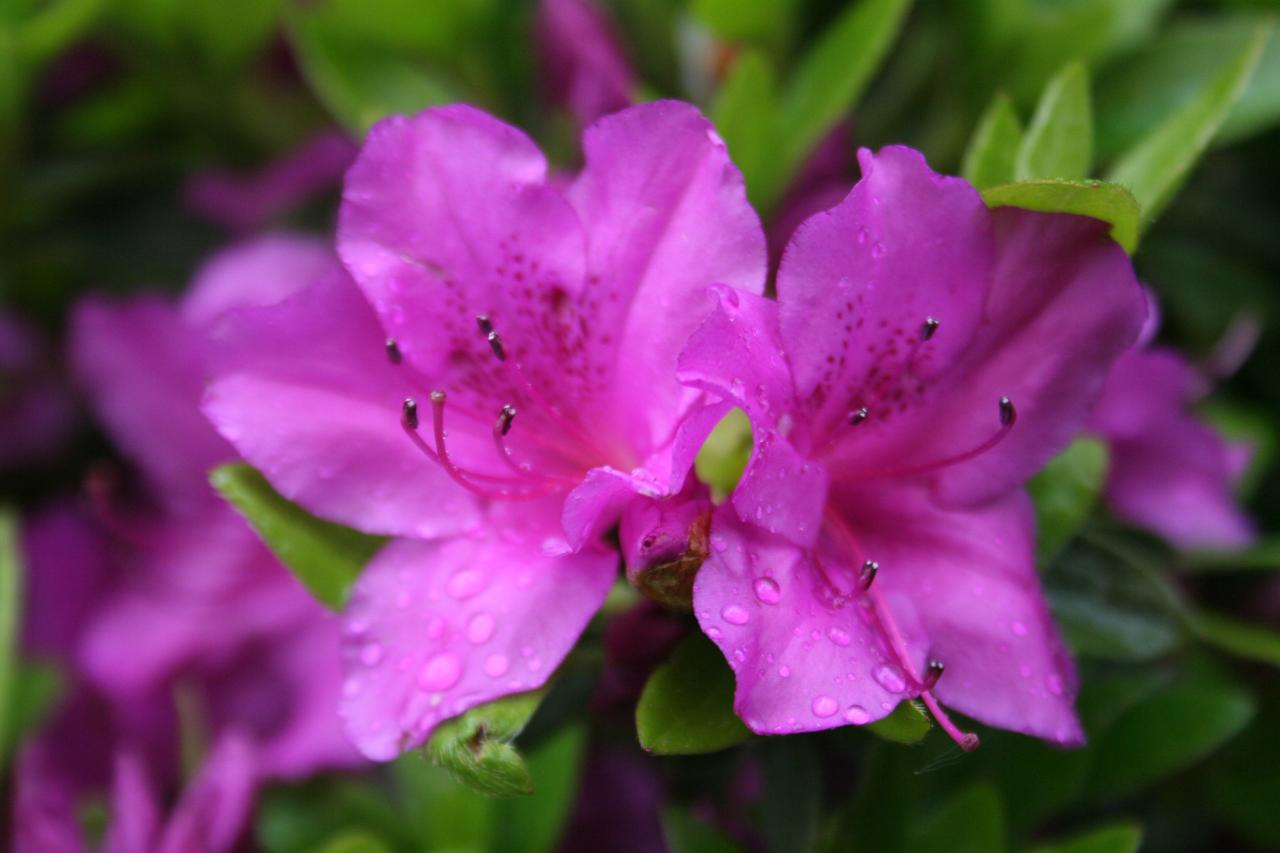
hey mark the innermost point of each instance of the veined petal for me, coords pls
(435, 628)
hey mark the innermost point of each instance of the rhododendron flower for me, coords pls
(1169, 472)
(535, 331)
(583, 65)
(925, 356)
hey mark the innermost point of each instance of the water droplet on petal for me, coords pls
(767, 590)
(1054, 683)
(1019, 629)
(496, 666)
(465, 583)
(824, 706)
(877, 250)
(784, 671)
(890, 678)
(839, 636)
(371, 654)
(857, 715)
(441, 672)
(435, 628)
(718, 543)
(480, 628)
(735, 615)
(350, 687)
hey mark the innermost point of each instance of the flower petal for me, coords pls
(217, 803)
(435, 628)
(305, 392)
(262, 271)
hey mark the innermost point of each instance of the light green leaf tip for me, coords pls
(1064, 494)
(687, 705)
(1059, 140)
(1108, 202)
(907, 724)
(991, 158)
(476, 748)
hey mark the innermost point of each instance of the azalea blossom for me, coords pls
(925, 356)
(1170, 472)
(583, 65)
(493, 385)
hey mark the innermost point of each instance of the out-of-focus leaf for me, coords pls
(879, 817)
(35, 689)
(1106, 201)
(687, 705)
(10, 614)
(231, 32)
(1167, 732)
(744, 113)
(534, 824)
(760, 22)
(907, 724)
(1117, 838)
(1252, 427)
(54, 27)
(1155, 167)
(1264, 556)
(792, 794)
(992, 156)
(1240, 788)
(355, 841)
(828, 81)
(1255, 642)
(1166, 72)
(970, 822)
(725, 453)
(440, 813)
(686, 834)
(476, 748)
(1064, 494)
(326, 557)
(300, 818)
(1059, 140)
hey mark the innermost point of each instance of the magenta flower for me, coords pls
(36, 414)
(536, 332)
(925, 356)
(1170, 472)
(583, 66)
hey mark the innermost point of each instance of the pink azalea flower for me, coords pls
(536, 331)
(879, 533)
(1170, 472)
(583, 64)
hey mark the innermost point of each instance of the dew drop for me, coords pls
(480, 628)
(857, 715)
(1054, 683)
(784, 671)
(735, 615)
(890, 678)
(839, 636)
(767, 591)
(371, 654)
(496, 666)
(351, 687)
(1019, 629)
(877, 251)
(441, 672)
(465, 583)
(824, 706)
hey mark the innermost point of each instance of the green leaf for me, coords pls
(1167, 732)
(35, 690)
(535, 823)
(686, 834)
(55, 27)
(687, 705)
(1117, 838)
(1106, 201)
(326, 557)
(440, 813)
(907, 724)
(10, 614)
(1064, 494)
(992, 156)
(724, 456)
(355, 841)
(476, 747)
(761, 22)
(1156, 166)
(1059, 140)
(828, 81)
(1263, 556)
(970, 822)
(744, 114)
(1254, 642)
(792, 794)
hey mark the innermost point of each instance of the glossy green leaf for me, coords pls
(745, 116)
(828, 81)
(724, 455)
(326, 557)
(1255, 642)
(535, 823)
(1065, 493)
(1059, 139)
(992, 156)
(1117, 838)
(687, 705)
(1155, 167)
(10, 617)
(1167, 732)
(1106, 201)
(907, 724)
(476, 748)
(970, 822)
(760, 22)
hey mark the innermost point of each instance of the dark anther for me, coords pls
(482, 320)
(411, 412)
(1008, 414)
(929, 328)
(858, 416)
(868, 573)
(495, 344)
(505, 417)
(393, 351)
(932, 673)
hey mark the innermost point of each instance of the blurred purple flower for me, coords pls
(879, 387)
(246, 203)
(583, 64)
(36, 414)
(823, 183)
(552, 319)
